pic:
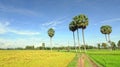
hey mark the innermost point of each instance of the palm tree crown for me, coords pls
(72, 26)
(51, 32)
(81, 21)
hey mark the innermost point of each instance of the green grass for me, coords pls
(74, 62)
(106, 58)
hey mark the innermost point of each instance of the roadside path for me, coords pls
(83, 58)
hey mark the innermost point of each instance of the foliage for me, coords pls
(118, 44)
(72, 26)
(106, 29)
(98, 45)
(43, 46)
(104, 45)
(29, 47)
(113, 46)
(51, 32)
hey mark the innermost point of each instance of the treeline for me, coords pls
(110, 45)
(48, 48)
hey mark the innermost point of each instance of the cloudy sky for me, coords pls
(25, 22)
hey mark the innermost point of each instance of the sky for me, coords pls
(26, 22)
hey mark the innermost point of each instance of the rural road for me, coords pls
(83, 58)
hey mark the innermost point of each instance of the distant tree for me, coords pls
(103, 30)
(118, 44)
(29, 47)
(51, 33)
(109, 30)
(98, 45)
(113, 46)
(43, 46)
(106, 29)
(104, 45)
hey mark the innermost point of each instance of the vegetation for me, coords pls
(104, 45)
(113, 46)
(51, 33)
(79, 22)
(106, 29)
(73, 63)
(34, 58)
(73, 27)
(98, 45)
(118, 44)
(106, 58)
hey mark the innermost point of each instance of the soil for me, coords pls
(81, 61)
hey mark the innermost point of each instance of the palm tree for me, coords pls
(72, 27)
(76, 20)
(103, 30)
(51, 33)
(109, 30)
(83, 23)
(106, 29)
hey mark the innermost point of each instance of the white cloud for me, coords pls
(24, 32)
(54, 23)
(4, 28)
(111, 20)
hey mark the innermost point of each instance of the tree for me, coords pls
(73, 27)
(113, 46)
(118, 44)
(106, 29)
(104, 45)
(103, 30)
(82, 23)
(98, 46)
(76, 20)
(109, 30)
(51, 33)
(43, 46)
(29, 47)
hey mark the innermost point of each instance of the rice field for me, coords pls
(34, 58)
(106, 58)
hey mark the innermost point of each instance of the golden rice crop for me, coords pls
(34, 58)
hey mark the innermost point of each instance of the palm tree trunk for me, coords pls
(83, 39)
(78, 39)
(51, 42)
(106, 37)
(74, 41)
(109, 37)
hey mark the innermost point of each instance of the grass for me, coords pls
(74, 62)
(106, 58)
(34, 58)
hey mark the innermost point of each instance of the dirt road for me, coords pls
(83, 58)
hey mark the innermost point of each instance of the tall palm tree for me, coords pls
(106, 29)
(83, 23)
(109, 30)
(51, 33)
(76, 20)
(103, 30)
(72, 27)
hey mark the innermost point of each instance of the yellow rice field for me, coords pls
(34, 58)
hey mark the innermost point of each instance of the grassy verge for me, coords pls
(73, 63)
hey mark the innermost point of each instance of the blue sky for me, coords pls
(25, 22)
